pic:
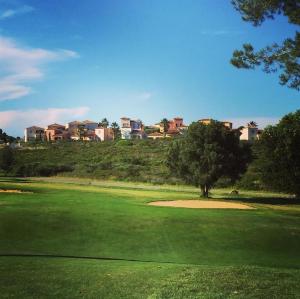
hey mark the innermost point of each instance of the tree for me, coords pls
(272, 58)
(278, 155)
(6, 158)
(5, 138)
(165, 124)
(116, 130)
(207, 153)
(104, 123)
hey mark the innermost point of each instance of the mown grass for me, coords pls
(79, 278)
(177, 253)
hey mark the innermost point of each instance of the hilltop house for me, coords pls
(56, 132)
(132, 129)
(34, 133)
(84, 130)
(175, 127)
(250, 132)
(104, 134)
(90, 125)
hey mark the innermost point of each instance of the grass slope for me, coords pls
(178, 253)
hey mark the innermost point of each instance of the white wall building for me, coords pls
(132, 129)
(104, 134)
(249, 132)
(34, 133)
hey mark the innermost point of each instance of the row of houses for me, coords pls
(129, 129)
(86, 130)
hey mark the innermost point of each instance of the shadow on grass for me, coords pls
(13, 180)
(266, 200)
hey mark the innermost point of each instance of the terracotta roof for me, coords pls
(89, 122)
(75, 122)
(35, 127)
(56, 125)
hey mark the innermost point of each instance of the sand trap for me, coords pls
(201, 204)
(13, 191)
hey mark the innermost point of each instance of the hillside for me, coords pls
(123, 160)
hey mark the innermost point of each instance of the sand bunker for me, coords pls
(13, 191)
(201, 204)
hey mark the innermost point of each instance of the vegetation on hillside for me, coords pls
(135, 160)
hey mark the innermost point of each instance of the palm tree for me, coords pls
(252, 124)
(165, 124)
(116, 129)
(104, 123)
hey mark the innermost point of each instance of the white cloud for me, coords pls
(262, 122)
(15, 121)
(21, 65)
(15, 11)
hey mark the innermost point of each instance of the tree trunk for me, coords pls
(204, 191)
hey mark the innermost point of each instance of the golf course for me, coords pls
(83, 238)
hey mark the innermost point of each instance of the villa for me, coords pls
(34, 133)
(132, 129)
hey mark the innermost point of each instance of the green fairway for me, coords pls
(159, 252)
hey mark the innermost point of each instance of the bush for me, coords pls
(36, 169)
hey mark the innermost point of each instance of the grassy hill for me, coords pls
(123, 160)
(96, 239)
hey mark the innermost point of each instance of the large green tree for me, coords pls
(278, 155)
(207, 153)
(283, 58)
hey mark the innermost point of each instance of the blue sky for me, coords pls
(62, 60)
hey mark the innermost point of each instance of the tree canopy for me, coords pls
(207, 153)
(5, 138)
(104, 123)
(283, 58)
(116, 130)
(278, 155)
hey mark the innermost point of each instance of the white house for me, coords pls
(132, 128)
(104, 134)
(34, 133)
(250, 132)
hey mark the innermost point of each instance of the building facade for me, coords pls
(132, 129)
(56, 132)
(34, 133)
(104, 134)
(250, 132)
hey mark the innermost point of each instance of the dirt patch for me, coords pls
(201, 204)
(13, 191)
